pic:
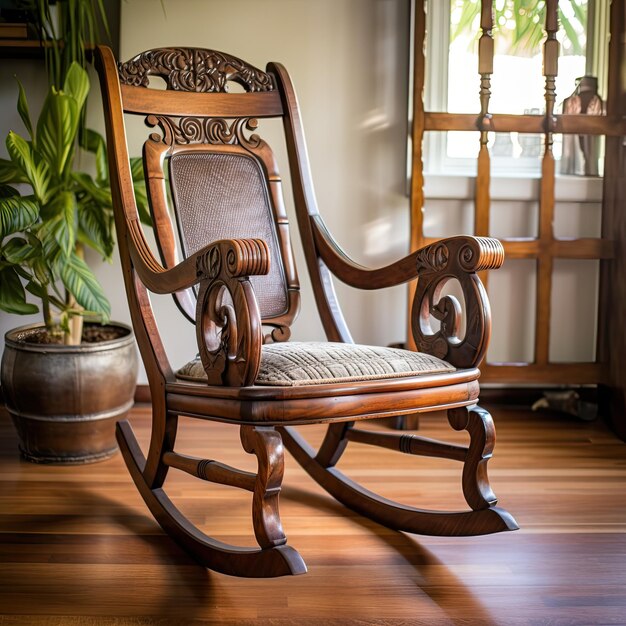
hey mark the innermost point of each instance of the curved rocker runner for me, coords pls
(225, 256)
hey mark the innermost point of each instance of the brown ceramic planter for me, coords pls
(65, 400)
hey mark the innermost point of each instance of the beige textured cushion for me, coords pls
(295, 363)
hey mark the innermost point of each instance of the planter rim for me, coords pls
(10, 340)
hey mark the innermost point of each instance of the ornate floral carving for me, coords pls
(193, 69)
(210, 263)
(433, 258)
(212, 130)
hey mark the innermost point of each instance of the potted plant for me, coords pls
(64, 385)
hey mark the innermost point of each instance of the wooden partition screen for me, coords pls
(608, 369)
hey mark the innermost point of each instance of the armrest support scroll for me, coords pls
(455, 259)
(228, 321)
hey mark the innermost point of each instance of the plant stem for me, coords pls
(47, 317)
(75, 322)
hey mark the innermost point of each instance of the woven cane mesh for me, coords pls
(225, 196)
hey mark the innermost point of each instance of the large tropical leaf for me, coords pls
(17, 213)
(529, 19)
(76, 84)
(18, 251)
(83, 285)
(11, 173)
(12, 294)
(93, 142)
(139, 185)
(22, 109)
(95, 229)
(58, 232)
(28, 165)
(99, 195)
(56, 131)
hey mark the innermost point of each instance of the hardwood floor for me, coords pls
(78, 545)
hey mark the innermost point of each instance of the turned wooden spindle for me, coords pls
(546, 201)
(485, 69)
(482, 203)
(417, 139)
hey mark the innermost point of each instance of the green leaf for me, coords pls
(22, 109)
(83, 285)
(76, 84)
(56, 131)
(60, 227)
(100, 195)
(93, 142)
(12, 294)
(36, 289)
(141, 196)
(27, 162)
(17, 213)
(11, 173)
(17, 250)
(95, 229)
(136, 169)
(572, 35)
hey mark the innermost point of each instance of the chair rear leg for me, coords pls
(482, 518)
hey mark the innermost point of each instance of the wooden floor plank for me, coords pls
(78, 545)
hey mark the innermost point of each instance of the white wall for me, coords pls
(348, 60)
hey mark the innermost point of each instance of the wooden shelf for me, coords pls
(21, 49)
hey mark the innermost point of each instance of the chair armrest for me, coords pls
(228, 321)
(453, 259)
(484, 253)
(247, 257)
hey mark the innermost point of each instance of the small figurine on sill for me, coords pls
(581, 152)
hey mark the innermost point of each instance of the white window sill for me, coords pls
(567, 188)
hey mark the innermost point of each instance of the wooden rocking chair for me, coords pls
(227, 260)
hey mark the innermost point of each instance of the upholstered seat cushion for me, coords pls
(312, 363)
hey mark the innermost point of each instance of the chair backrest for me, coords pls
(208, 176)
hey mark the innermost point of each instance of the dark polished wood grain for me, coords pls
(78, 546)
(212, 283)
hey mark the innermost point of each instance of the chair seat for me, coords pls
(315, 363)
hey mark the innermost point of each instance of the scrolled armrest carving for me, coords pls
(457, 258)
(228, 322)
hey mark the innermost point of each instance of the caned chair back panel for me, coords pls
(212, 203)
(209, 176)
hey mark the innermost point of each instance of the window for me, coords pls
(517, 84)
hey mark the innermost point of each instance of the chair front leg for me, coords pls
(479, 424)
(267, 444)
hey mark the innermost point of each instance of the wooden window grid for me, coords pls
(544, 248)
